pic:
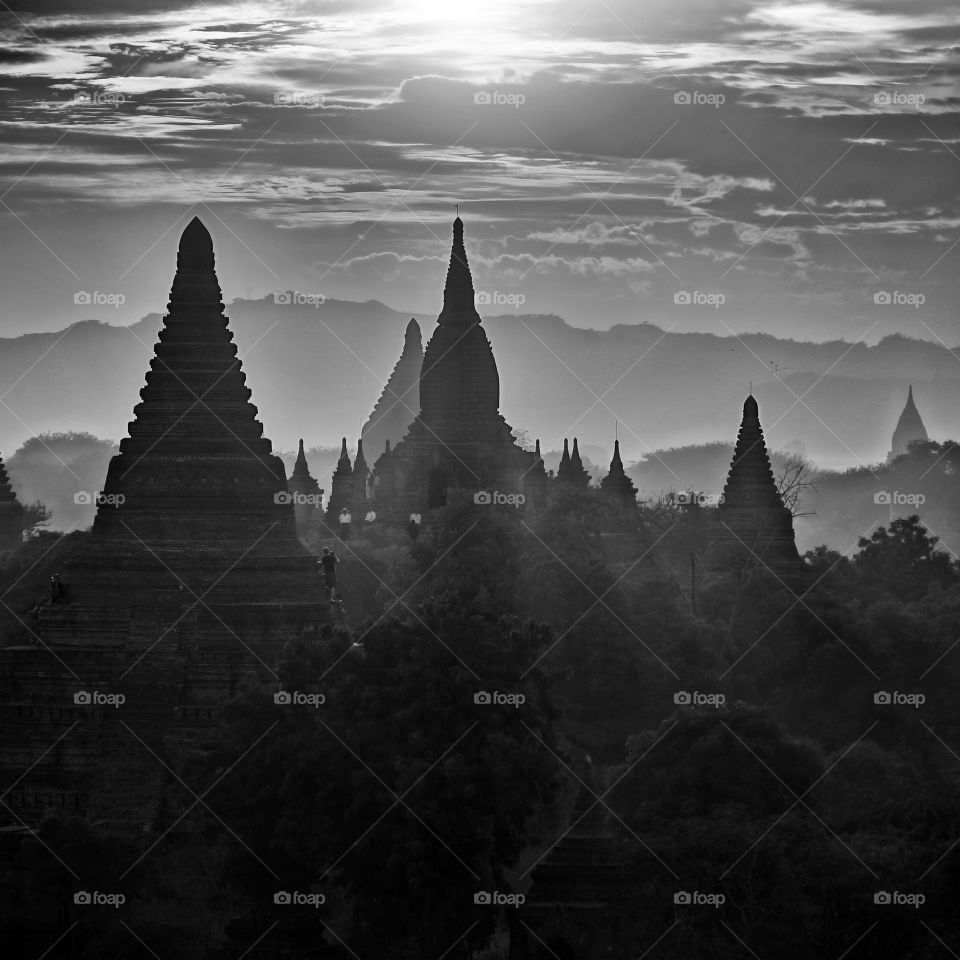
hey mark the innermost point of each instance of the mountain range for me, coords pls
(316, 371)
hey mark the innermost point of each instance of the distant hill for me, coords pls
(317, 372)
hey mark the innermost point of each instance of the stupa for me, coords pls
(616, 482)
(909, 428)
(571, 470)
(400, 401)
(305, 491)
(751, 524)
(458, 441)
(11, 514)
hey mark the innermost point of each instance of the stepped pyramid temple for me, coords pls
(400, 401)
(459, 441)
(11, 514)
(909, 428)
(189, 583)
(752, 524)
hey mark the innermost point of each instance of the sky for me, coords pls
(715, 165)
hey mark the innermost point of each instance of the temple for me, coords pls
(458, 441)
(751, 524)
(400, 401)
(616, 482)
(305, 492)
(189, 584)
(571, 470)
(909, 428)
(11, 514)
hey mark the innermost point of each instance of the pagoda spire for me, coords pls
(458, 293)
(616, 481)
(909, 428)
(300, 466)
(399, 403)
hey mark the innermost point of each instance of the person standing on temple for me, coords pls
(329, 562)
(345, 520)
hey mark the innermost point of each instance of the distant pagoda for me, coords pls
(458, 441)
(571, 470)
(616, 482)
(194, 504)
(341, 485)
(11, 513)
(909, 428)
(305, 491)
(400, 401)
(752, 524)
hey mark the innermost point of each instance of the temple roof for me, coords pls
(196, 247)
(909, 427)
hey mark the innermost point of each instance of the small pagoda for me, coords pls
(909, 428)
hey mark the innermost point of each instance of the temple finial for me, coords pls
(196, 247)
